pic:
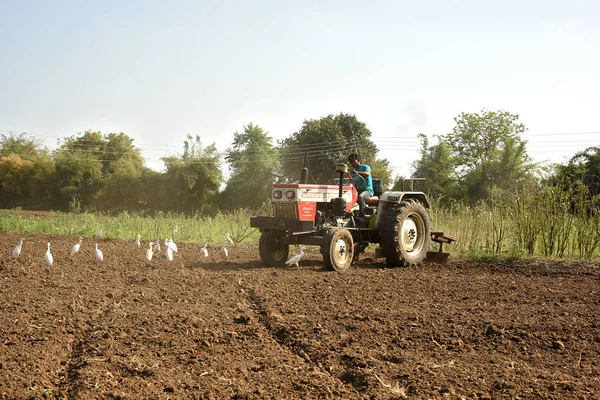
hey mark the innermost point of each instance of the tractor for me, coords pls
(328, 216)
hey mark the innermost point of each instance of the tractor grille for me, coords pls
(285, 210)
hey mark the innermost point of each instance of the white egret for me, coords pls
(98, 234)
(17, 249)
(156, 249)
(76, 247)
(225, 252)
(230, 240)
(296, 258)
(137, 241)
(48, 256)
(204, 251)
(149, 252)
(99, 254)
(172, 245)
(169, 253)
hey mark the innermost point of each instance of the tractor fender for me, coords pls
(397, 196)
(388, 199)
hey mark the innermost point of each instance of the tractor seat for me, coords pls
(372, 201)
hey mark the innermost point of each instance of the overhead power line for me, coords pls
(324, 150)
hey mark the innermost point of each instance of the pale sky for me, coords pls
(158, 70)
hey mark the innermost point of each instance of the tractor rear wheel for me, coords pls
(405, 232)
(272, 253)
(338, 249)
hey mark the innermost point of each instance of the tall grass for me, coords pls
(184, 228)
(536, 221)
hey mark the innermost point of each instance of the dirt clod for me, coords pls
(493, 330)
(558, 345)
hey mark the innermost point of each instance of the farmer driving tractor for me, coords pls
(362, 180)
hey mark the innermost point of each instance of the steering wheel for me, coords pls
(362, 183)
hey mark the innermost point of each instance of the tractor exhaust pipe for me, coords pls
(339, 204)
(341, 168)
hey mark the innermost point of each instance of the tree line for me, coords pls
(484, 154)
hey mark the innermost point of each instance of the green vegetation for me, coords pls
(195, 228)
(539, 221)
(487, 191)
(329, 141)
(483, 153)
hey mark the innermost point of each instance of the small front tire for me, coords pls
(338, 249)
(272, 252)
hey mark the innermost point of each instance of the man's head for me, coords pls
(354, 160)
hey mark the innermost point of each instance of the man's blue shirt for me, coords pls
(358, 181)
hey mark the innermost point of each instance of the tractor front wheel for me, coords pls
(405, 233)
(338, 249)
(272, 253)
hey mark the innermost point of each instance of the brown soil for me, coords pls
(230, 328)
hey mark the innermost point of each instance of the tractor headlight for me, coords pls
(290, 194)
(277, 194)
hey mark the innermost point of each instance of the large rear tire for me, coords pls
(405, 232)
(272, 253)
(338, 249)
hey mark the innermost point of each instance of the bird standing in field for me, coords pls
(225, 252)
(169, 253)
(149, 252)
(137, 241)
(17, 249)
(98, 234)
(296, 258)
(156, 248)
(204, 250)
(230, 240)
(48, 256)
(99, 254)
(76, 247)
(172, 245)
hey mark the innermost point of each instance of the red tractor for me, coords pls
(327, 216)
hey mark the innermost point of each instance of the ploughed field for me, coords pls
(230, 328)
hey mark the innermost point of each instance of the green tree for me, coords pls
(437, 166)
(26, 172)
(253, 163)
(192, 180)
(328, 141)
(489, 153)
(122, 187)
(108, 149)
(150, 191)
(78, 176)
(584, 166)
(21, 145)
(102, 171)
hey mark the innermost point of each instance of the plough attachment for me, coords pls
(439, 256)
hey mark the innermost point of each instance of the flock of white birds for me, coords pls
(154, 248)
